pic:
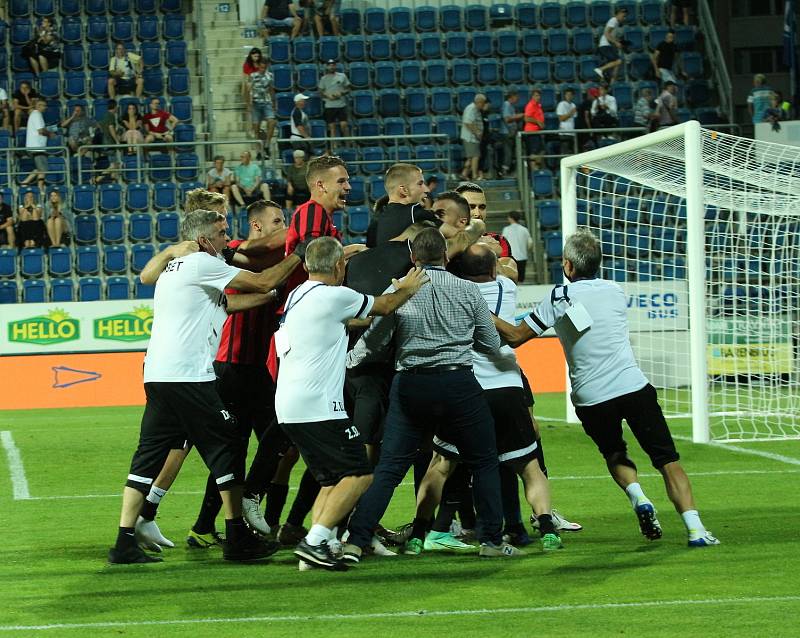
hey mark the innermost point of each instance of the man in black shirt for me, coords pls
(280, 14)
(7, 237)
(664, 58)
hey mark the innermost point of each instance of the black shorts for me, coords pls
(178, 413)
(514, 433)
(331, 450)
(334, 115)
(124, 87)
(366, 398)
(526, 386)
(248, 392)
(533, 144)
(682, 4)
(603, 423)
(607, 54)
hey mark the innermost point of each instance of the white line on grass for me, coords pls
(743, 450)
(15, 467)
(411, 614)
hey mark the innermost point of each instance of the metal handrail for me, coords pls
(11, 173)
(716, 59)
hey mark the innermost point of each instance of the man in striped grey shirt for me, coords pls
(434, 335)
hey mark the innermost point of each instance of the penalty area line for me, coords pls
(412, 614)
(744, 450)
(19, 482)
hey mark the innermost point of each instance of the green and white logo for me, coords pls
(129, 326)
(55, 327)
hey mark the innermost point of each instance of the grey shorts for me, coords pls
(40, 160)
(471, 149)
(272, 22)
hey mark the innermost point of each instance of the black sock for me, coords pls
(276, 499)
(235, 529)
(212, 503)
(445, 515)
(515, 528)
(148, 511)
(540, 456)
(304, 501)
(420, 527)
(125, 538)
(509, 491)
(546, 524)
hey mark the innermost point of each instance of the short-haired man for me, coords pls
(664, 58)
(566, 111)
(158, 123)
(309, 402)
(219, 177)
(248, 186)
(334, 86)
(262, 100)
(509, 125)
(190, 308)
(36, 136)
(280, 14)
(125, 73)
(295, 174)
(610, 47)
(589, 315)
(758, 101)
(300, 125)
(533, 117)
(667, 109)
(519, 238)
(78, 125)
(405, 185)
(471, 134)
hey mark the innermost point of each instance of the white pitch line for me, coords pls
(743, 450)
(411, 614)
(15, 467)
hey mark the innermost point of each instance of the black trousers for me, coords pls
(452, 404)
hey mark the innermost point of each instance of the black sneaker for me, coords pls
(319, 555)
(130, 555)
(249, 547)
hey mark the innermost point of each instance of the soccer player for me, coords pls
(309, 402)
(190, 308)
(589, 316)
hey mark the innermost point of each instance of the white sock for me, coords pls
(317, 534)
(334, 532)
(636, 495)
(693, 523)
(155, 495)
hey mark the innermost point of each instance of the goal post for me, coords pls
(701, 230)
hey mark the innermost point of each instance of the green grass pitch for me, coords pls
(608, 581)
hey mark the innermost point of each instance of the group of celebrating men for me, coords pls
(366, 361)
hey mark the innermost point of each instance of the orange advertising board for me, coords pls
(543, 362)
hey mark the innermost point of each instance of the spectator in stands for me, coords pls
(664, 58)
(604, 109)
(611, 45)
(471, 133)
(775, 113)
(24, 102)
(36, 136)
(31, 231)
(5, 110)
(519, 238)
(490, 144)
(433, 184)
(249, 66)
(534, 121)
(325, 11)
(567, 112)
(644, 111)
(684, 6)
(219, 178)
(296, 185)
(584, 118)
(667, 109)
(759, 98)
(300, 125)
(158, 123)
(509, 125)
(7, 237)
(44, 51)
(334, 86)
(78, 128)
(131, 123)
(108, 134)
(56, 222)
(248, 187)
(125, 71)
(280, 14)
(262, 100)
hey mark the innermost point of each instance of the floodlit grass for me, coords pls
(53, 567)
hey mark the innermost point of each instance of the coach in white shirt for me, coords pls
(589, 315)
(309, 401)
(183, 406)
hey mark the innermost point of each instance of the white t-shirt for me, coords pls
(612, 24)
(188, 314)
(601, 362)
(216, 175)
(563, 108)
(471, 116)
(3, 95)
(519, 239)
(33, 139)
(311, 373)
(499, 369)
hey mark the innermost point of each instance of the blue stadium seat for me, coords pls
(455, 44)
(328, 48)
(601, 13)
(564, 69)
(549, 211)
(145, 6)
(304, 50)
(97, 29)
(350, 21)
(448, 125)
(441, 101)
(542, 181)
(532, 43)
(164, 196)
(405, 46)
(32, 262)
(656, 35)
(89, 288)
(548, 101)
(390, 102)
(488, 71)
(435, 73)
(586, 67)
(623, 93)
(159, 165)
(576, 14)
(357, 194)
(131, 169)
(188, 166)
(112, 229)
(553, 244)
(635, 37)
(147, 28)
(476, 17)
(19, 8)
(363, 103)
(692, 64)
(430, 46)
(651, 11)
(120, 7)
(282, 77)
(640, 65)
(358, 220)
(373, 158)
(426, 157)
(507, 43)
(360, 75)
(143, 291)
(385, 75)
(482, 44)
(375, 20)
(75, 84)
(501, 14)
(172, 27)
(550, 15)
(56, 171)
(420, 126)
(176, 54)
(49, 84)
(6, 139)
(410, 73)
(8, 292)
(583, 41)
(526, 15)
(34, 291)
(426, 19)
(450, 17)
(181, 107)
(368, 127)
(99, 57)
(394, 127)
(513, 71)
(140, 227)
(279, 49)
(83, 198)
(115, 260)
(178, 81)
(21, 31)
(8, 262)
(184, 135)
(62, 290)
(355, 48)
(169, 6)
(400, 19)
(307, 76)
(122, 29)
(558, 42)
(96, 7)
(539, 69)
(151, 54)
(167, 226)
(70, 8)
(462, 72)
(87, 260)
(153, 81)
(72, 57)
(685, 37)
(118, 288)
(85, 228)
(71, 31)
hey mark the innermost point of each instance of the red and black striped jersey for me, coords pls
(504, 245)
(308, 220)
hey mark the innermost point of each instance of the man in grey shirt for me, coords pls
(589, 315)
(334, 86)
(434, 334)
(471, 133)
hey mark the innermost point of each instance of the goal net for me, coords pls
(702, 231)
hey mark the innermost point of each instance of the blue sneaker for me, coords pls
(704, 540)
(648, 523)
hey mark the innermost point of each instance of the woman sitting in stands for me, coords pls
(56, 222)
(31, 231)
(131, 122)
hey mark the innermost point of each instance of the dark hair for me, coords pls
(515, 215)
(468, 187)
(112, 104)
(463, 204)
(253, 51)
(379, 204)
(321, 164)
(477, 261)
(258, 207)
(429, 247)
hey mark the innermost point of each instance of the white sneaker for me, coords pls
(251, 510)
(335, 545)
(600, 73)
(702, 540)
(559, 522)
(149, 536)
(380, 549)
(304, 566)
